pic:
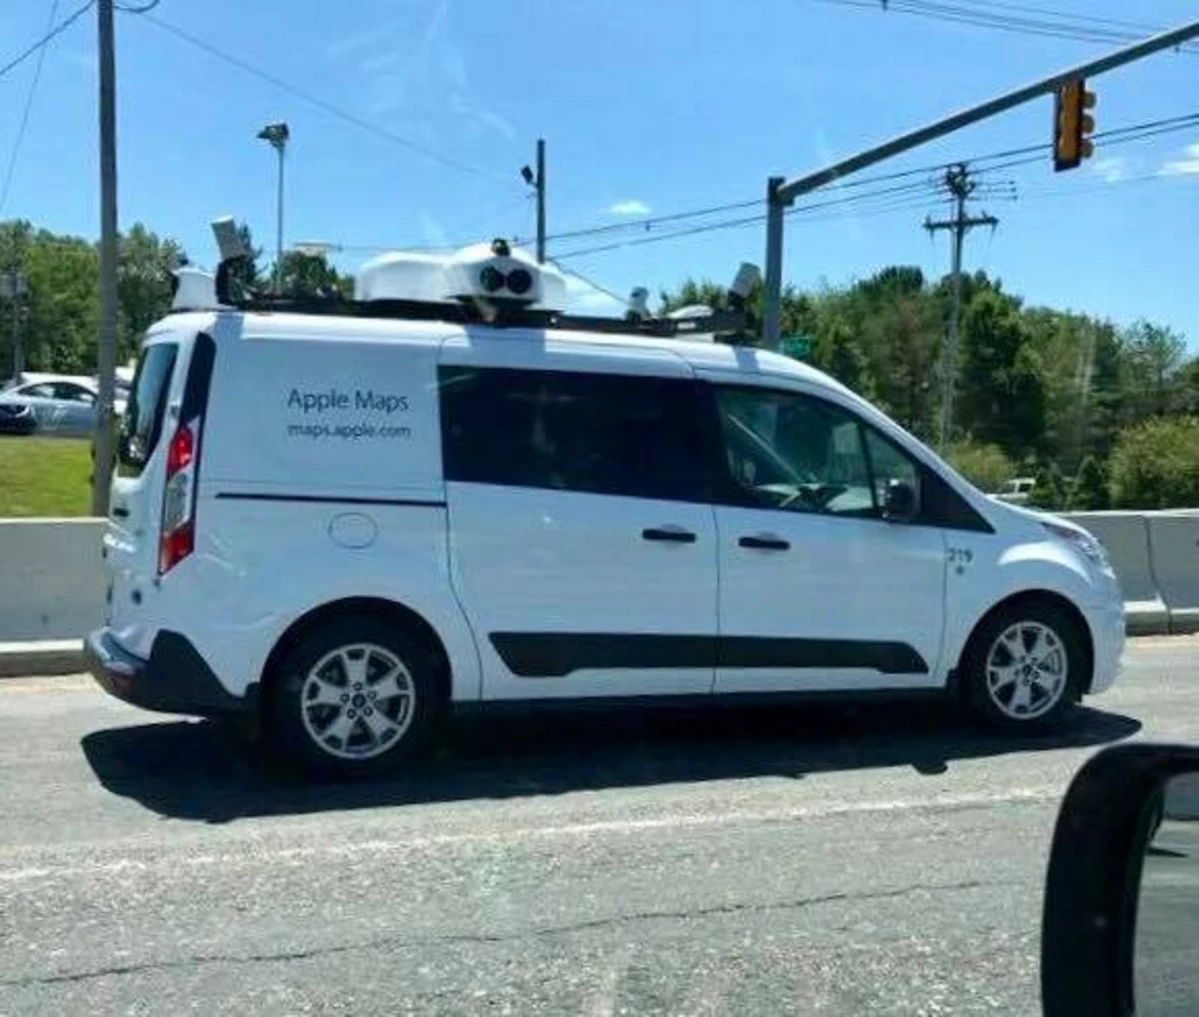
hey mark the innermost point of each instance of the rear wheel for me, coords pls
(356, 697)
(1024, 667)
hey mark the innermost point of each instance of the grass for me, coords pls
(44, 476)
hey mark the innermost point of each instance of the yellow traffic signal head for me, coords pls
(1072, 125)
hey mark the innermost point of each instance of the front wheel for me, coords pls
(1023, 670)
(356, 697)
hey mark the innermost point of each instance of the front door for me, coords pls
(582, 537)
(818, 591)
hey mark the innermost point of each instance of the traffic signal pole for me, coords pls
(780, 196)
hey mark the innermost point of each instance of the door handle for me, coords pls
(672, 534)
(120, 512)
(765, 542)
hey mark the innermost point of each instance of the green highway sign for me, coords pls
(796, 345)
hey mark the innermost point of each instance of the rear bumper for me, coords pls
(175, 679)
(1107, 632)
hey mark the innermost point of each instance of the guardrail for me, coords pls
(1156, 557)
(52, 581)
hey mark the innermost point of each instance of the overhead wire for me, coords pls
(23, 126)
(323, 104)
(1047, 22)
(46, 39)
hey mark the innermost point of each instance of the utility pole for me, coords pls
(107, 353)
(957, 179)
(541, 201)
(536, 180)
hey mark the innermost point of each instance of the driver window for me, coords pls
(888, 464)
(788, 451)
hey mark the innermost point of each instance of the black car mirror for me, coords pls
(1122, 893)
(901, 504)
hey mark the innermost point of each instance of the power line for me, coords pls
(52, 34)
(1047, 22)
(322, 104)
(905, 203)
(24, 125)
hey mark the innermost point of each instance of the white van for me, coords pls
(349, 520)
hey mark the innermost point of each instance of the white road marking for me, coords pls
(256, 852)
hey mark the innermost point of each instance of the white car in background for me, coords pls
(1016, 491)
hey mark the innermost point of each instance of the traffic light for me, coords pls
(1072, 125)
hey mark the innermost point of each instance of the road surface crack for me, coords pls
(715, 910)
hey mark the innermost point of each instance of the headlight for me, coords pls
(1082, 542)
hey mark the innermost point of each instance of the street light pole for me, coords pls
(278, 135)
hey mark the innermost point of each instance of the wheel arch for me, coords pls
(1043, 596)
(399, 614)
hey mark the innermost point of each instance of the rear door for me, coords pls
(582, 541)
(136, 499)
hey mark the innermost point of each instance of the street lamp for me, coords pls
(277, 135)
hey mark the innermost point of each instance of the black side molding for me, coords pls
(557, 654)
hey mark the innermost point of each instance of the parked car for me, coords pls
(1016, 491)
(62, 405)
(17, 418)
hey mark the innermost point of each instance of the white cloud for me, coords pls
(1111, 170)
(630, 206)
(1186, 166)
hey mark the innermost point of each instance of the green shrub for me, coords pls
(1049, 492)
(987, 467)
(1089, 491)
(1155, 465)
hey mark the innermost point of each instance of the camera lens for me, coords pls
(519, 281)
(491, 278)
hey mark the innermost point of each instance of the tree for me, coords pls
(1001, 393)
(1049, 491)
(311, 275)
(143, 282)
(1152, 357)
(1089, 490)
(837, 351)
(987, 467)
(1155, 465)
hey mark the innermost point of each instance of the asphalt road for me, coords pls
(816, 861)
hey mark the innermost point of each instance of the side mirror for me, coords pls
(1122, 892)
(900, 504)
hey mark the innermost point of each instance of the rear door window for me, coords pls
(142, 424)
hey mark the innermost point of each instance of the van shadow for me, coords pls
(199, 770)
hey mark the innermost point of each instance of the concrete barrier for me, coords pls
(1174, 544)
(51, 578)
(1125, 535)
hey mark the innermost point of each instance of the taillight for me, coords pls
(178, 538)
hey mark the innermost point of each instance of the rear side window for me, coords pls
(142, 425)
(633, 436)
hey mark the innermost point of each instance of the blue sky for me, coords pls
(650, 107)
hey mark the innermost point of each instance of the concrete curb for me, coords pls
(41, 657)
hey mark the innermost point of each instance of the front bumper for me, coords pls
(175, 679)
(1107, 634)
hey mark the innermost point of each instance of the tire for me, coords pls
(355, 697)
(1023, 669)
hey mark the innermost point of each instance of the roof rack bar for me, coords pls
(497, 316)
